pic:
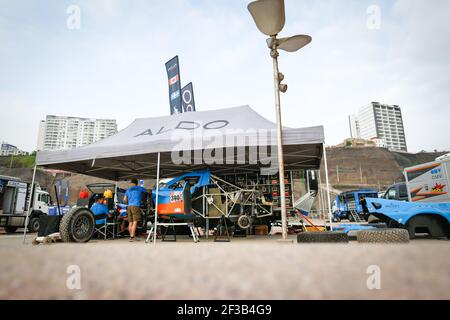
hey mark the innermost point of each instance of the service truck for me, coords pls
(427, 210)
(14, 200)
(429, 182)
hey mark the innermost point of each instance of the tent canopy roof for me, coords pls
(223, 136)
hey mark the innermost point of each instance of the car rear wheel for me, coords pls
(77, 225)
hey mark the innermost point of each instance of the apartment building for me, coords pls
(379, 121)
(61, 132)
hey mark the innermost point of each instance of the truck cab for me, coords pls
(14, 201)
(42, 201)
(397, 191)
(348, 205)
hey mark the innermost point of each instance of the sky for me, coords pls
(112, 66)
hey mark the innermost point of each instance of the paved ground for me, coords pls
(252, 268)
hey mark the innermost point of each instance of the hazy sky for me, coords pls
(113, 66)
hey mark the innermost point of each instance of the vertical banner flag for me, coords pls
(187, 98)
(173, 73)
(66, 196)
(59, 187)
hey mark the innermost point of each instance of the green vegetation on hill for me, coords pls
(18, 161)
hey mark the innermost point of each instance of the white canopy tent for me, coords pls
(225, 141)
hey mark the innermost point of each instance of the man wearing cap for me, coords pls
(133, 197)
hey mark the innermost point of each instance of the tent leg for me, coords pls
(30, 204)
(328, 186)
(155, 225)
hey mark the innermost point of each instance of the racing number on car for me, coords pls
(175, 196)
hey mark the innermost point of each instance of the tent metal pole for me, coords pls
(319, 193)
(30, 204)
(155, 227)
(328, 186)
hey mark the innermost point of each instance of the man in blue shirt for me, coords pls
(99, 208)
(133, 198)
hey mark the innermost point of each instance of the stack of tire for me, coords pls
(377, 235)
(384, 235)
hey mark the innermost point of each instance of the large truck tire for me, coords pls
(322, 237)
(33, 225)
(77, 225)
(434, 226)
(10, 229)
(383, 236)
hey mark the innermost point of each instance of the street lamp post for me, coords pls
(276, 73)
(269, 17)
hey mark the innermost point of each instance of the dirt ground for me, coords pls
(245, 268)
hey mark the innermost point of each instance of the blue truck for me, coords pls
(419, 218)
(348, 205)
(426, 210)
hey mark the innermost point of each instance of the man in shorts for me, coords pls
(133, 197)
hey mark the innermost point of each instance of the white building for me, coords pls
(381, 122)
(59, 132)
(7, 149)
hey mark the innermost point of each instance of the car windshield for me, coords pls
(100, 188)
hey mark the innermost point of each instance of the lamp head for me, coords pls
(295, 43)
(269, 15)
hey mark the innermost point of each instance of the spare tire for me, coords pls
(244, 222)
(77, 225)
(383, 236)
(323, 237)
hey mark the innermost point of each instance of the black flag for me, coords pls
(187, 98)
(173, 74)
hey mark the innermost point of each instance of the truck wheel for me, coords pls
(426, 224)
(10, 229)
(33, 225)
(322, 237)
(383, 236)
(77, 225)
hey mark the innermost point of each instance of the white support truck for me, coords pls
(14, 199)
(429, 182)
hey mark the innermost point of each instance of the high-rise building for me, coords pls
(379, 121)
(60, 132)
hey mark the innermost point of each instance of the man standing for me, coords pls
(363, 202)
(133, 198)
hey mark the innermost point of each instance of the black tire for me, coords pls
(383, 236)
(33, 225)
(350, 217)
(322, 237)
(427, 223)
(244, 222)
(10, 229)
(77, 225)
